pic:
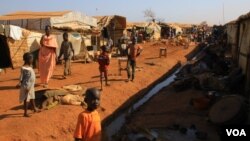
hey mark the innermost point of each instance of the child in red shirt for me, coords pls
(103, 60)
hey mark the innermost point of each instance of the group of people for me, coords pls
(132, 50)
(47, 62)
(89, 124)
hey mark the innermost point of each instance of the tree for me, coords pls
(149, 14)
(160, 20)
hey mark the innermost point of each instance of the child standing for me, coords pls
(66, 49)
(104, 61)
(27, 84)
(134, 50)
(88, 126)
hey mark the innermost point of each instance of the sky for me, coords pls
(181, 11)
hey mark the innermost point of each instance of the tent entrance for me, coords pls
(5, 59)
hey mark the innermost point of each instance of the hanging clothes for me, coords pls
(13, 32)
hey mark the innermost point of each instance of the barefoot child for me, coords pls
(66, 49)
(27, 83)
(88, 126)
(134, 50)
(104, 61)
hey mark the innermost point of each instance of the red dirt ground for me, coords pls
(59, 123)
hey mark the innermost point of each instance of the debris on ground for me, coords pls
(206, 92)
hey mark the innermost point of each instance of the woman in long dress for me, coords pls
(47, 56)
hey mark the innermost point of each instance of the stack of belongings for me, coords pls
(68, 95)
(209, 71)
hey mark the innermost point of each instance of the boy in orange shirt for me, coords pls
(88, 126)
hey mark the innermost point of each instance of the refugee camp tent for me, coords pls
(244, 47)
(38, 20)
(165, 30)
(13, 48)
(178, 29)
(154, 28)
(77, 24)
(112, 26)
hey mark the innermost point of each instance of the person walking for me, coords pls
(66, 50)
(47, 56)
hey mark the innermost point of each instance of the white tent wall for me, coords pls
(34, 41)
(87, 40)
(74, 17)
(38, 23)
(157, 30)
(74, 38)
(178, 30)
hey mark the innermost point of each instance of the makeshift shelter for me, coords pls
(77, 24)
(38, 20)
(244, 47)
(178, 29)
(12, 49)
(155, 29)
(238, 33)
(111, 26)
(165, 30)
(231, 30)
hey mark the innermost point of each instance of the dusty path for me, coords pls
(59, 123)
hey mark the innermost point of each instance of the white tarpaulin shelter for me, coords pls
(177, 28)
(74, 38)
(38, 20)
(156, 30)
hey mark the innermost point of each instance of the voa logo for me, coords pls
(236, 132)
